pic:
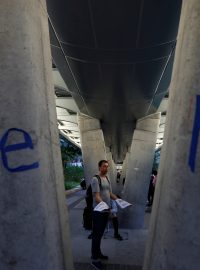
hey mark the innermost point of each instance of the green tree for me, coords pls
(72, 174)
(68, 151)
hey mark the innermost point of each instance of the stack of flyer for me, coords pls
(122, 204)
(102, 206)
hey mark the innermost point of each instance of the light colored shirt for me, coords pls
(104, 190)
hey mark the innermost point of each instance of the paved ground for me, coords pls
(87, 266)
(126, 254)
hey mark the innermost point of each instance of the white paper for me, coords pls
(101, 206)
(122, 204)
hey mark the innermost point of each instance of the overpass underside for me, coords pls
(116, 59)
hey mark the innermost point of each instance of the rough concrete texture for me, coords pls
(174, 238)
(32, 204)
(112, 171)
(92, 145)
(139, 169)
(148, 123)
(87, 123)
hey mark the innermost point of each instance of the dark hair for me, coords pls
(101, 162)
(154, 172)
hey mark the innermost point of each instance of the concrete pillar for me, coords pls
(139, 169)
(112, 169)
(124, 171)
(92, 145)
(174, 235)
(125, 166)
(34, 225)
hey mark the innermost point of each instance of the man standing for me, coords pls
(102, 192)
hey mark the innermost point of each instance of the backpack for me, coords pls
(87, 218)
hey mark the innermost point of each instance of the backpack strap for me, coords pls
(99, 179)
(107, 179)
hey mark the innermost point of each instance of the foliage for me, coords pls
(73, 173)
(69, 153)
(70, 185)
(156, 160)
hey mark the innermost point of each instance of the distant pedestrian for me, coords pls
(118, 177)
(123, 182)
(83, 183)
(114, 217)
(152, 185)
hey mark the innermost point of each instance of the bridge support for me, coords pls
(112, 170)
(125, 167)
(34, 225)
(139, 169)
(174, 235)
(92, 145)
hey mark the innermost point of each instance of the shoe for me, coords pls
(118, 237)
(97, 265)
(103, 257)
(90, 236)
(148, 204)
(148, 210)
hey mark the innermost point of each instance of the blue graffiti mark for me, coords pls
(14, 147)
(195, 136)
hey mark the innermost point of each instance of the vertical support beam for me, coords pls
(112, 169)
(125, 166)
(92, 145)
(114, 172)
(174, 236)
(139, 169)
(34, 225)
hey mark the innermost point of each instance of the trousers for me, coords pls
(100, 220)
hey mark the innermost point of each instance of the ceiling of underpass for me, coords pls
(116, 58)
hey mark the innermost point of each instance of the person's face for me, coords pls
(104, 168)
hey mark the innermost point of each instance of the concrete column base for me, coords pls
(139, 169)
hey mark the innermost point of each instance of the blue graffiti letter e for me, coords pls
(14, 147)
